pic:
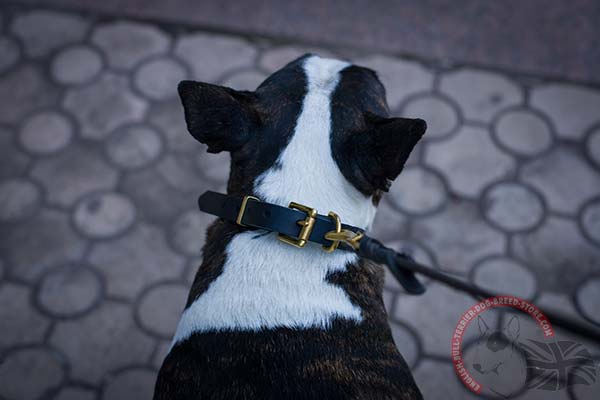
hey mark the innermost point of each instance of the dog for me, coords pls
(499, 362)
(266, 320)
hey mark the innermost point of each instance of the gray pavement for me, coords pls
(100, 236)
(555, 38)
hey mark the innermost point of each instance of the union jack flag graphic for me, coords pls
(556, 365)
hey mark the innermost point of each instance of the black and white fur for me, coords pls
(265, 319)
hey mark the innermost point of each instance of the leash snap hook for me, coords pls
(341, 235)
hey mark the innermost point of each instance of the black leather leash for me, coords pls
(298, 224)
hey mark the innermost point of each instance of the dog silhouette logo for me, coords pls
(498, 361)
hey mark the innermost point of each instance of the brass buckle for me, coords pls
(306, 224)
(352, 239)
(240, 216)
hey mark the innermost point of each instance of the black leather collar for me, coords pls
(255, 214)
(271, 217)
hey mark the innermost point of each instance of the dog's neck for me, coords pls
(264, 283)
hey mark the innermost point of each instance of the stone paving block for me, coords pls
(136, 260)
(104, 214)
(76, 65)
(458, 252)
(418, 191)
(441, 115)
(558, 253)
(572, 109)
(104, 340)
(134, 146)
(133, 383)
(9, 53)
(505, 276)
(43, 31)
(469, 160)
(104, 106)
(159, 309)
(32, 247)
(126, 43)
(13, 162)
(211, 56)
(564, 178)
(19, 199)
(23, 90)
(73, 173)
(157, 79)
(46, 132)
(28, 373)
(488, 93)
(401, 78)
(512, 206)
(69, 290)
(523, 133)
(21, 322)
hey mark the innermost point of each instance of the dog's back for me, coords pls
(268, 320)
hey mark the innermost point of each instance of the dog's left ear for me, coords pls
(218, 116)
(383, 149)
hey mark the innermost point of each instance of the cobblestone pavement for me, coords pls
(100, 236)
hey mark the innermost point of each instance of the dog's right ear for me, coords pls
(218, 116)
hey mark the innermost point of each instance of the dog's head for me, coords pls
(317, 131)
(498, 359)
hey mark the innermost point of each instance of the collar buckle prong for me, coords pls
(307, 225)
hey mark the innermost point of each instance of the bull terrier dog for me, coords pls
(498, 361)
(266, 320)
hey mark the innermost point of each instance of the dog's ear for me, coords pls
(217, 116)
(513, 328)
(482, 325)
(383, 149)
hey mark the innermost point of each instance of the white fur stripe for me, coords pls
(266, 283)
